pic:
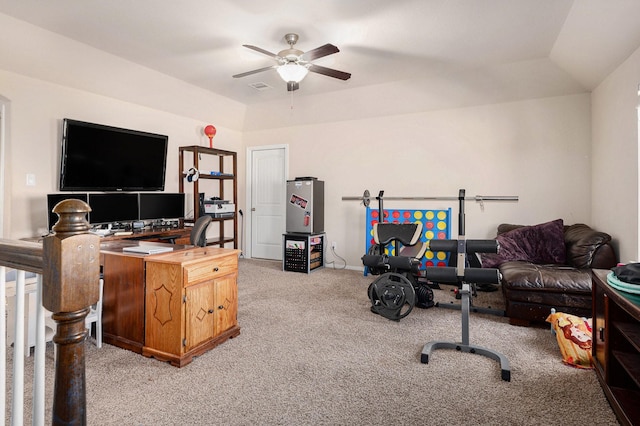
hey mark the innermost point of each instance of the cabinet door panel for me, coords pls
(226, 303)
(164, 308)
(199, 314)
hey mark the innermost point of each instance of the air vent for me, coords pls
(260, 86)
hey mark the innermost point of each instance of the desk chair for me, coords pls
(95, 316)
(198, 235)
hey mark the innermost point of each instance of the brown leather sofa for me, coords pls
(531, 290)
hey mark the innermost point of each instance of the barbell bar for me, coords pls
(365, 198)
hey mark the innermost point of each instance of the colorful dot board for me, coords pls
(436, 225)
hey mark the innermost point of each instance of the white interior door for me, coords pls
(268, 204)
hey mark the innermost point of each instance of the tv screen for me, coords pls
(96, 157)
(161, 205)
(115, 207)
(53, 199)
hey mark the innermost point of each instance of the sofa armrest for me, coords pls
(604, 258)
(588, 248)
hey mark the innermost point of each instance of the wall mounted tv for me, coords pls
(96, 157)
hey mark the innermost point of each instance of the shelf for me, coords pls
(224, 186)
(627, 404)
(215, 177)
(631, 332)
(303, 252)
(216, 241)
(630, 363)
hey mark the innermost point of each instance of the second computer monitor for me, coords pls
(113, 207)
(161, 205)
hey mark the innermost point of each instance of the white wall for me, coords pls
(46, 77)
(615, 157)
(37, 110)
(538, 150)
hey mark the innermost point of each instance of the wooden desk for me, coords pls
(180, 235)
(123, 294)
(171, 306)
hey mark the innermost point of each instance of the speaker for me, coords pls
(201, 204)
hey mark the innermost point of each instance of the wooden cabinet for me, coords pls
(191, 303)
(217, 177)
(616, 347)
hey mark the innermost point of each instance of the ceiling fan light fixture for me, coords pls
(292, 72)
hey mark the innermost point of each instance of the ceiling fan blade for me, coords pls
(258, 49)
(319, 52)
(329, 72)
(244, 74)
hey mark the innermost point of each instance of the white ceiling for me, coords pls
(521, 48)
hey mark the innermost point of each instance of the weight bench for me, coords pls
(397, 290)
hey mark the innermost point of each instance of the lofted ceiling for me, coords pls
(528, 48)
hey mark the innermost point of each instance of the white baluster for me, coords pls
(17, 406)
(3, 342)
(39, 358)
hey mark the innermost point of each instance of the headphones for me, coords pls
(192, 174)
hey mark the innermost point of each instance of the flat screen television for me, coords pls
(161, 205)
(96, 157)
(113, 207)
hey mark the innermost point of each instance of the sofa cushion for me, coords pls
(541, 244)
(525, 276)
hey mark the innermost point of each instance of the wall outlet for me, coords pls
(334, 245)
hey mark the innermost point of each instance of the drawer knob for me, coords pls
(220, 307)
(216, 269)
(210, 311)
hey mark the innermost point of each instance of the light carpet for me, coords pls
(311, 352)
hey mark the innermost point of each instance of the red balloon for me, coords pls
(210, 131)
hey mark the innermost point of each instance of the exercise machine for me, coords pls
(464, 276)
(394, 294)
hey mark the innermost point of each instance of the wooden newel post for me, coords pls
(71, 278)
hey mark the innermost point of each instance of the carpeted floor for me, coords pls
(310, 352)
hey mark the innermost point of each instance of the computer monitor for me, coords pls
(53, 199)
(161, 205)
(113, 207)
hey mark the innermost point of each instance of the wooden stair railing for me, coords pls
(69, 261)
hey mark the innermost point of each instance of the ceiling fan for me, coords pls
(293, 64)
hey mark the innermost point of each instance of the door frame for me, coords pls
(4, 164)
(247, 220)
